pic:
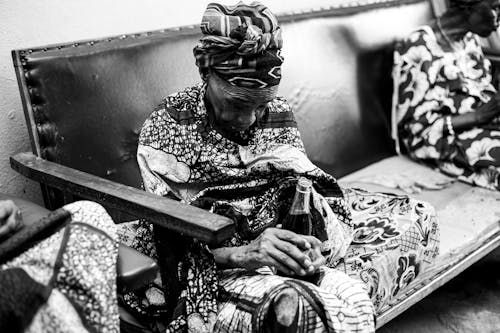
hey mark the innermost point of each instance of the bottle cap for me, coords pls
(304, 184)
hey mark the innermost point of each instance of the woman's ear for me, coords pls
(208, 74)
(204, 73)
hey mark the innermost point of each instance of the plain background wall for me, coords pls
(30, 23)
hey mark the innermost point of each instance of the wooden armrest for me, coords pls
(185, 219)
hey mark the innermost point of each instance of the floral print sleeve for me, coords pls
(431, 84)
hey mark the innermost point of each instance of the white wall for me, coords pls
(29, 23)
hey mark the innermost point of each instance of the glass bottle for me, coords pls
(299, 218)
(300, 221)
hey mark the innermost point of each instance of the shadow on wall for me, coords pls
(375, 85)
(339, 83)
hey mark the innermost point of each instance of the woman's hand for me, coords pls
(288, 252)
(10, 217)
(314, 253)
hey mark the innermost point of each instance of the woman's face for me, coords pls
(483, 17)
(236, 108)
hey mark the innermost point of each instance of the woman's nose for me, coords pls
(246, 119)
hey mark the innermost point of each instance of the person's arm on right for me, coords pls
(482, 115)
(425, 115)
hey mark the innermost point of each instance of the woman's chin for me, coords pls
(487, 33)
(236, 129)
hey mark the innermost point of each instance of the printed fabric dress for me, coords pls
(66, 283)
(378, 243)
(431, 84)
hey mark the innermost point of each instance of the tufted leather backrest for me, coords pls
(337, 76)
(85, 102)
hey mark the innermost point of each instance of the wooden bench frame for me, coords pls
(115, 195)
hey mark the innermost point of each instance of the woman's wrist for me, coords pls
(228, 257)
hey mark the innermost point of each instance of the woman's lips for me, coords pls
(239, 129)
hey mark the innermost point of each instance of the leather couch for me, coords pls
(85, 103)
(88, 100)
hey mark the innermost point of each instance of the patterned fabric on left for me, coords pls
(79, 264)
(432, 84)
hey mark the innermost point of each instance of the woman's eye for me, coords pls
(260, 110)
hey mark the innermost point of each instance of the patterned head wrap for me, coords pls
(242, 44)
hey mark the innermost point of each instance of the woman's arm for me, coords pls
(282, 249)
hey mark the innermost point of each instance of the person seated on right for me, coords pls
(446, 111)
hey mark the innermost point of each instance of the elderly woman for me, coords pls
(231, 146)
(446, 111)
(63, 283)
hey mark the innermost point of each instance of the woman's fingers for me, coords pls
(286, 261)
(293, 252)
(289, 252)
(315, 243)
(281, 245)
(291, 237)
(280, 267)
(309, 256)
(317, 258)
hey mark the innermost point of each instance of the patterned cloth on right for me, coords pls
(395, 239)
(431, 84)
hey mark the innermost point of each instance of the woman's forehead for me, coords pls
(248, 94)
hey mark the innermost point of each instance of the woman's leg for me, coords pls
(395, 239)
(247, 299)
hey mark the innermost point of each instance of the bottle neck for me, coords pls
(300, 203)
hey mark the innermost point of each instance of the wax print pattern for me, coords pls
(79, 264)
(432, 84)
(241, 43)
(373, 238)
